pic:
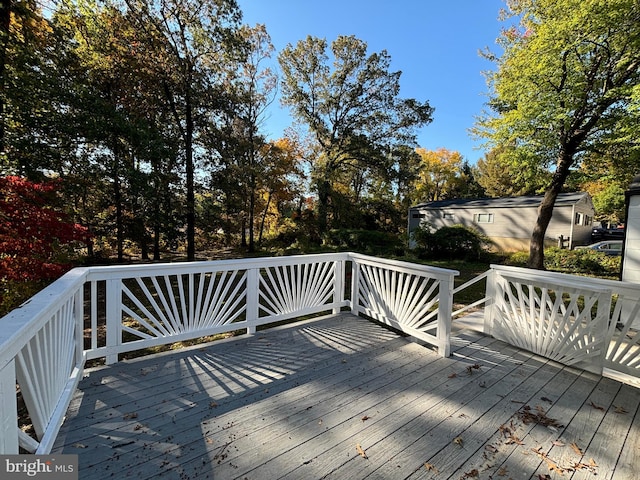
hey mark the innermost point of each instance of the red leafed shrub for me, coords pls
(33, 233)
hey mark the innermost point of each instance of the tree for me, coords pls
(564, 85)
(188, 43)
(33, 233)
(350, 106)
(498, 177)
(439, 173)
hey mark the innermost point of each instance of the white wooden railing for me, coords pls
(45, 343)
(588, 322)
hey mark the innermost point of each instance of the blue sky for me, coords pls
(433, 42)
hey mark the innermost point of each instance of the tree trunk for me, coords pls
(190, 171)
(264, 217)
(545, 210)
(324, 195)
(5, 22)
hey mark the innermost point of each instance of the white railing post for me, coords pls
(8, 410)
(445, 308)
(253, 297)
(338, 284)
(355, 279)
(490, 295)
(79, 316)
(114, 317)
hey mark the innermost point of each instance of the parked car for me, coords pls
(609, 247)
(601, 233)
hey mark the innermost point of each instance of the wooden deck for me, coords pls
(343, 398)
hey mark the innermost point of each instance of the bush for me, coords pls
(455, 242)
(372, 242)
(581, 261)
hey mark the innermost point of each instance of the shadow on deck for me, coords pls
(345, 398)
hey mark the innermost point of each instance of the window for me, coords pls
(448, 216)
(418, 215)
(483, 217)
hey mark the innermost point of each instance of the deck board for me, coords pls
(294, 402)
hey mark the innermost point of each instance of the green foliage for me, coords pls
(455, 242)
(372, 242)
(564, 86)
(579, 262)
(349, 101)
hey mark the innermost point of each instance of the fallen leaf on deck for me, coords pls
(360, 451)
(458, 441)
(545, 399)
(79, 445)
(598, 407)
(491, 448)
(452, 375)
(431, 468)
(576, 448)
(213, 404)
(209, 440)
(544, 476)
(365, 418)
(472, 474)
(620, 409)
(503, 472)
(129, 416)
(557, 443)
(513, 439)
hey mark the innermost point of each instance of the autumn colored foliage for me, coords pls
(33, 233)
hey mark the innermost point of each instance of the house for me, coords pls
(509, 221)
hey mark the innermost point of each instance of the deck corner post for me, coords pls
(445, 309)
(8, 410)
(252, 298)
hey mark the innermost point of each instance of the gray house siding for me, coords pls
(508, 222)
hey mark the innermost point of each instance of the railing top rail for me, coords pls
(566, 280)
(175, 268)
(19, 326)
(406, 266)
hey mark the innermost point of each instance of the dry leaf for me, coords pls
(544, 476)
(502, 472)
(452, 375)
(213, 404)
(79, 445)
(513, 439)
(592, 463)
(545, 399)
(576, 448)
(209, 440)
(365, 418)
(553, 466)
(458, 441)
(431, 467)
(620, 409)
(557, 443)
(598, 407)
(361, 452)
(472, 474)
(491, 449)
(129, 416)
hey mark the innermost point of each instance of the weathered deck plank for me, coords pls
(294, 403)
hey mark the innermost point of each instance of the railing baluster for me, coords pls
(8, 410)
